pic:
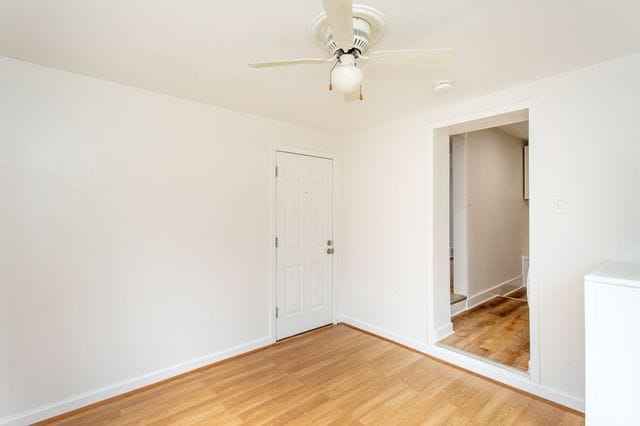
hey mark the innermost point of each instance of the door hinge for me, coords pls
(276, 242)
(276, 312)
(276, 171)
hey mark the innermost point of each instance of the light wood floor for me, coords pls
(337, 375)
(497, 330)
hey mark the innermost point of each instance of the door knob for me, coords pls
(330, 250)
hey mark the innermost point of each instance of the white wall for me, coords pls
(498, 216)
(585, 149)
(134, 227)
(382, 270)
(135, 232)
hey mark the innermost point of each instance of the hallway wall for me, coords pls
(498, 216)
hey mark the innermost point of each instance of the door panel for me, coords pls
(304, 227)
(318, 284)
(293, 291)
(293, 220)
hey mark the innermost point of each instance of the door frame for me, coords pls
(272, 249)
(438, 327)
(461, 227)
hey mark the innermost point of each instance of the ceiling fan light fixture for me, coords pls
(347, 32)
(346, 77)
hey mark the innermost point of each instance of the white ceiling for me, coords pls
(198, 49)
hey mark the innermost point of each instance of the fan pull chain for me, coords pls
(361, 98)
(330, 71)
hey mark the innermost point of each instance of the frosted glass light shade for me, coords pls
(346, 78)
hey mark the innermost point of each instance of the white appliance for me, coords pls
(612, 342)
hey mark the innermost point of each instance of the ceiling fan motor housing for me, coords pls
(369, 25)
(361, 33)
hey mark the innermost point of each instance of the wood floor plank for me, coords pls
(497, 330)
(337, 375)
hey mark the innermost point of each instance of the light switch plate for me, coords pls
(561, 206)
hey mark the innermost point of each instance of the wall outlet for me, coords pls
(396, 289)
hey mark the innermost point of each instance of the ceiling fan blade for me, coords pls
(289, 62)
(411, 56)
(340, 18)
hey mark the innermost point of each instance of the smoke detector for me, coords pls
(442, 86)
(369, 25)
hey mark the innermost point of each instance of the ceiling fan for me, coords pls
(347, 31)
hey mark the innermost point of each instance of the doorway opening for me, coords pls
(484, 306)
(489, 244)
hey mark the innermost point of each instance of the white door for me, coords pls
(304, 231)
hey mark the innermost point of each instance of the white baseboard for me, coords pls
(458, 307)
(378, 331)
(444, 331)
(77, 401)
(494, 291)
(509, 377)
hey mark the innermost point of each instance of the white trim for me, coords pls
(272, 249)
(461, 228)
(444, 331)
(437, 296)
(488, 113)
(535, 212)
(458, 307)
(524, 266)
(382, 332)
(96, 395)
(483, 119)
(507, 376)
(497, 290)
